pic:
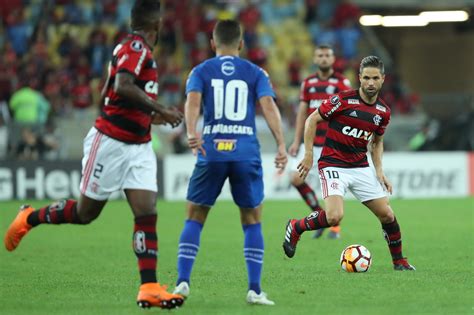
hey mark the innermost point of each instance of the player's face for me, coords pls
(324, 59)
(371, 80)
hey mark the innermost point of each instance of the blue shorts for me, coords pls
(245, 178)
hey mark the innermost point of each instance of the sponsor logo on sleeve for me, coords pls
(313, 80)
(335, 100)
(381, 108)
(353, 101)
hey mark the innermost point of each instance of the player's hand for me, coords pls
(195, 144)
(387, 186)
(305, 165)
(157, 119)
(293, 149)
(281, 159)
(172, 117)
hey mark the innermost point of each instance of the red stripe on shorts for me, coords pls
(91, 160)
(324, 184)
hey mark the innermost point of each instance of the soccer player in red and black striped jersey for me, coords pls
(118, 154)
(357, 120)
(314, 90)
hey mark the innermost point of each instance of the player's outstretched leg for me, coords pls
(18, 228)
(393, 237)
(291, 238)
(63, 211)
(294, 228)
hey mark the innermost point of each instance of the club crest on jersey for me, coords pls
(227, 68)
(356, 133)
(312, 89)
(377, 120)
(334, 100)
(136, 45)
(380, 108)
(225, 145)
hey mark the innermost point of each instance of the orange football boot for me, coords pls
(153, 294)
(18, 228)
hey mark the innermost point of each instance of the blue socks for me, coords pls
(253, 253)
(188, 249)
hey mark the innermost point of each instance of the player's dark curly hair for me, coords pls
(145, 13)
(373, 62)
(227, 32)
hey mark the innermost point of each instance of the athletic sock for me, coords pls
(253, 253)
(309, 196)
(393, 237)
(63, 211)
(314, 221)
(188, 249)
(145, 245)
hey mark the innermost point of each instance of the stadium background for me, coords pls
(54, 56)
(58, 48)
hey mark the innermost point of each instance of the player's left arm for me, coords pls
(376, 152)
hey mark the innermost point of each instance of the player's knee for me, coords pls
(334, 218)
(87, 218)
(296, 180)
(387, 217)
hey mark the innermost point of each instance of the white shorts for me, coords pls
(110, 165)
(296, 160)
(361, 181)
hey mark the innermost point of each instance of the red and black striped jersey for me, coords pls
(121, 119)
(352, 123)
(314, 90)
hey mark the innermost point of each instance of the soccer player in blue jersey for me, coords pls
(229, 88)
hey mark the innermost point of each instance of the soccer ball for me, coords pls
(356, 258)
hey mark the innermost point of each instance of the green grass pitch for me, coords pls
(92, 269)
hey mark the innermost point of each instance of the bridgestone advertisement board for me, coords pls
(413, 175)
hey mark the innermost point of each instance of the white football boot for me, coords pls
(182, 289)
(258, 299)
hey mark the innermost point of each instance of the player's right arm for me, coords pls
(125, 87)
(299, 128)
(273, 118)
(192, 108)
(309, 131)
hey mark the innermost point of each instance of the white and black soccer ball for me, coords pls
(356, 258)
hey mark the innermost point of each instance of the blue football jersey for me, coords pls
(230, 88)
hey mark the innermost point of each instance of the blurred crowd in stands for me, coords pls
(54, 54)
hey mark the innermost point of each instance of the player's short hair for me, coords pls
(324, 46)
(145, 13)
(372, 62)
(227, 33)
